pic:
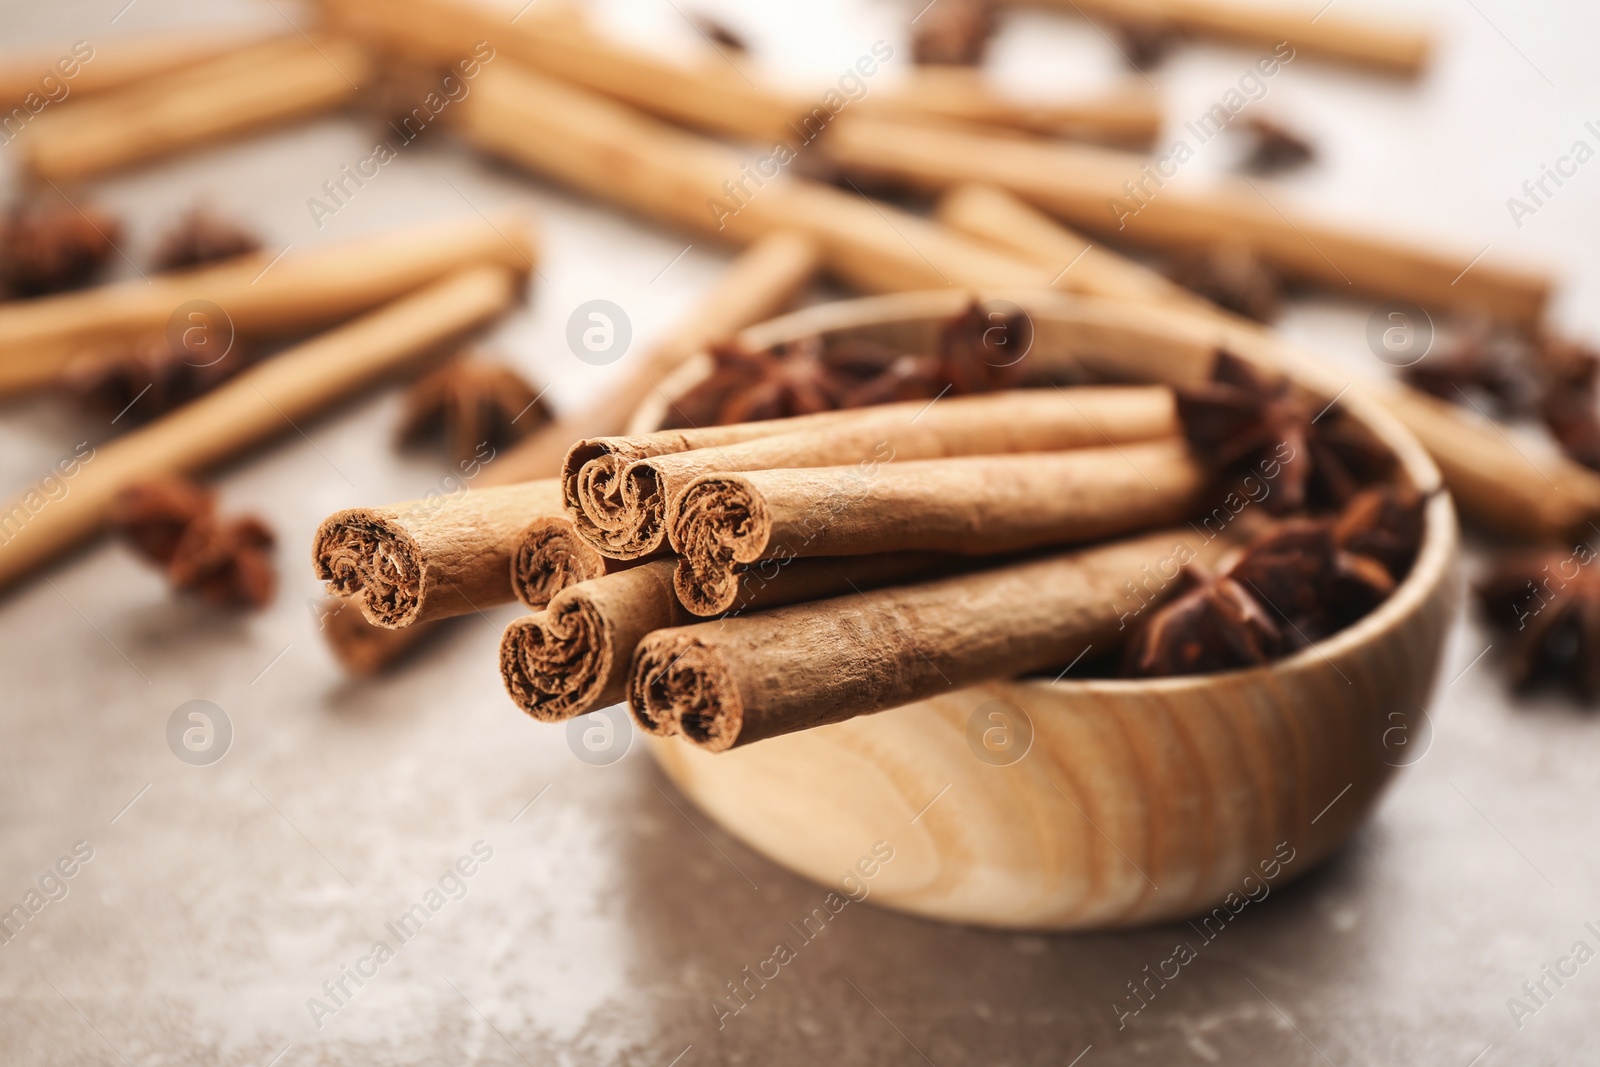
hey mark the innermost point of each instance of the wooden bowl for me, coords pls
(1136, 801)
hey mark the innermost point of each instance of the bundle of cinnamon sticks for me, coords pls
(741, 581)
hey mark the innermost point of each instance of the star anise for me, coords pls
(952, 32)
(718, 32)
(1144, 43)
(471, 403)
(1243, 421)
(172, 522)
(1217, 625)
(982, 348)
(1570, 403)
(202, 237)
(1292, 586)
(1549, 603)
(135, 382)
(1482, 363)
(1276, 147)
(47, 245)
(1231, 276)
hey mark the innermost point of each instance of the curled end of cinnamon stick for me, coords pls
(556, 664)
(614, 499)
(717, 523)
(550, 556)
(368, 559)
(680, 685)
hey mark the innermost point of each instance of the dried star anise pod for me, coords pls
(49, 245)
(172, 522)
(1570, 401)
(151, 516)
(1294, 585)
(1231, 276)
(718, 32)
(471, 403)
(143, 379)
(1481, 363)
(982, 349)
(1276, 147)
(1241, 420)
(1216, 626)
(1144, 43)
(1549, 602)
(952, 32)
(202, 237)
(226, 561)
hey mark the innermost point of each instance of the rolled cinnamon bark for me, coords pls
(550, 556)
(256, 296)
(257, 86)
(1383, 45)
(86, 69)
(1521, 493)
(265, 401)
(431, 558)
(970, 506)
(573, 657)
(610, 150)
(734, 681)
(1129, 116)
(621, 507)
(1119, 195)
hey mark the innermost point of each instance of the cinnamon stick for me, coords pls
(265, 401)
(257, 297)
(757, 284)
(85, 68)
(361, 648)
(736, 681)
(1517, 492)
(711, 94)
(614, 152)
(1085, 186)
(573, 657)
(1389, 46)
(621, 508)
(1129, 116)
(431, 558)
(549, 556)
(258, 86)
(970, 506)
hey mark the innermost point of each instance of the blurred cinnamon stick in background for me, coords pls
(258, 86)
(715, 97)
(83, 68)
(260, 295)
(1364, 41)
(1530, 494)
(265, 401)
(1113, 195)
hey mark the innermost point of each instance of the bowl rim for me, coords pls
(1435, 558)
